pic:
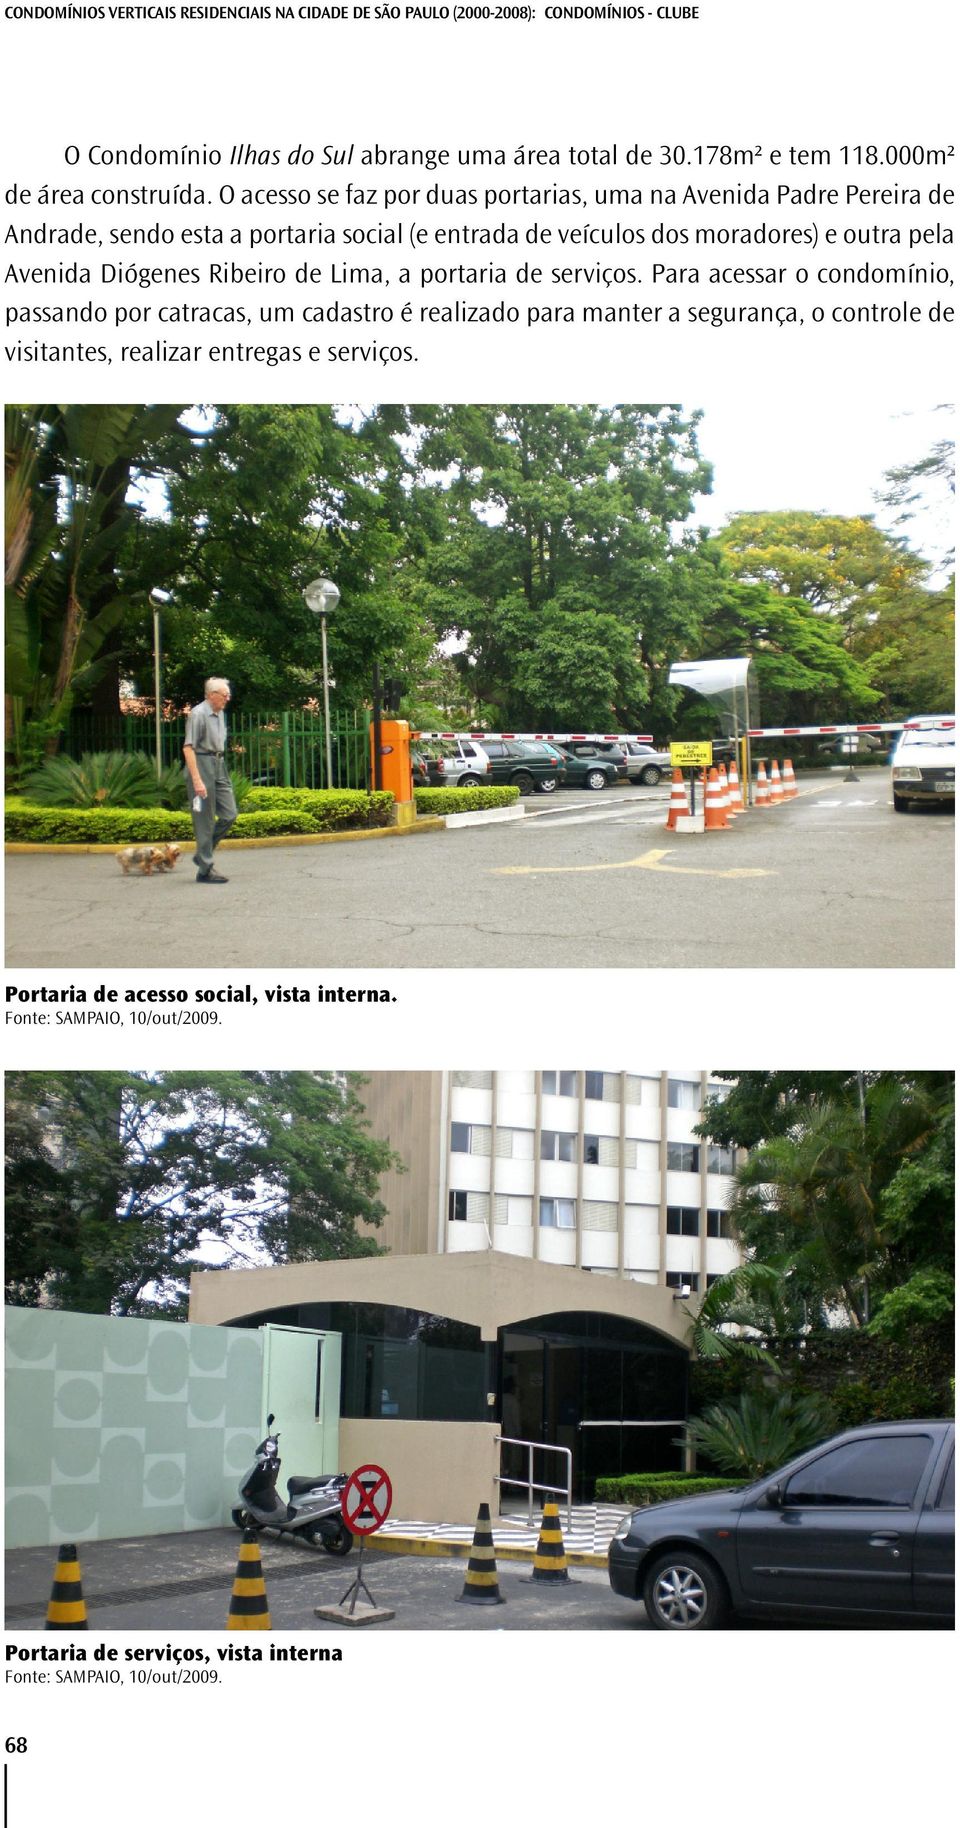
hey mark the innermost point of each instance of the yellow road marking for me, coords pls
(651, 860)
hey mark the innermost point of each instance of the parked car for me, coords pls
(594, 765)
(529, 766)
(645, 763)
(860, 1527)
(924, 764)
(457, 761)
(420, 768)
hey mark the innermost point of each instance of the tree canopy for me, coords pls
(120, 1184)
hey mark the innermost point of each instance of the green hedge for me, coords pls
(463, 799)
(656, 1488)
(273, 815)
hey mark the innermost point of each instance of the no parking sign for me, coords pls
(366, 1499)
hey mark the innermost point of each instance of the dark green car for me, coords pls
(533, 767)
(593, 765)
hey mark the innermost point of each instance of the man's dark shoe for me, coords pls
(213, 876)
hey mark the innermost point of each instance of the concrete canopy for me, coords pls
(487, 1289)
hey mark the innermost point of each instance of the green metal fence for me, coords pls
(272, 748)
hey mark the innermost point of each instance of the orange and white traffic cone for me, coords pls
(729, 805)
(736, 796)
(776, 785)
(679, 807)
(715, 813)
(762, 795)
(790, 789)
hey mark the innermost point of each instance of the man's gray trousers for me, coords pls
(217, 812)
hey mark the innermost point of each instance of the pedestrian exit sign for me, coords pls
(691, 755)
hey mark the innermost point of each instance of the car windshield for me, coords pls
(928, 739)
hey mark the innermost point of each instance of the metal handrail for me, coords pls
(529, 1483)
(677, 1422)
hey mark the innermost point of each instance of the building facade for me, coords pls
(595, 1170)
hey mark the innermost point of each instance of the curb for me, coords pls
(452, 820)
(460, 1551)
(430, 822)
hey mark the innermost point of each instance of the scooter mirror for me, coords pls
(270, 1420)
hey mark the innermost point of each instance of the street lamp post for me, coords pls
(321, 598)
(157, 600)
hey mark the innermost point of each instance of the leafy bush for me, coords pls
(760, 1432)
(463, 799)
(328, 809)
(27, 824)
(108, 779)
(172, 787)
(656, 1488)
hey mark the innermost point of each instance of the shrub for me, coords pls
(760, 1432)
(656, 1488)
(463, 799)
(108, 779)
(27, 824)
(328, 808)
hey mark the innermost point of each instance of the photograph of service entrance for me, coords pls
(633, 674)
(551, 1297)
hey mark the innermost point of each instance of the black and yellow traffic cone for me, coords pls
(481, 1587)
(550, 1560)
(67, 1609)
(249, 1610)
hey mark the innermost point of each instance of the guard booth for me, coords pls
(732, 686)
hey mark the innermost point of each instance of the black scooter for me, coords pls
(312, 1512)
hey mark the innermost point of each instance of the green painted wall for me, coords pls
(125, 1427)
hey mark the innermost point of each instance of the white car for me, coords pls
(923, 763)
(457, 761)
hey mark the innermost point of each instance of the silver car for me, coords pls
(645, 763)
(457, 761)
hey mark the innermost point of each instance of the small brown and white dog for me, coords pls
(148, 857)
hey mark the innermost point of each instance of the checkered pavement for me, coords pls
(589, 1532)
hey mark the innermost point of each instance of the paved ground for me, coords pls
(184, 1583)
(832, 878)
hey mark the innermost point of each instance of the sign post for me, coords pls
(692, 756)
(364, 1505)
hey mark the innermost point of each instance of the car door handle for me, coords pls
(885, 1540)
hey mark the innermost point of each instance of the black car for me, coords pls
(528, 766)
(593, 765)
(860, 1527)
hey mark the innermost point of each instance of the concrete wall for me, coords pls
(405, 1108)
(441, 1472)
(124, 1427)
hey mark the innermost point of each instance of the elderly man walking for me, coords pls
(211, 795)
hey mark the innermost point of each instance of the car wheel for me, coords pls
(595, 779)
(469, 780)
(684, 1592)
(523, 781)
(650, 777)
(548, 784)
(900, 805)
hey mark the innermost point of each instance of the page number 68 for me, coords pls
(15, 1745)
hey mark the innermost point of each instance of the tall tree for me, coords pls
(850, 1178)
(119, 1184)
(555, 562)
(839, 564)
(271, 497)
(68, 472)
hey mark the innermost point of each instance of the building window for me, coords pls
(711, 1280)
(683, 1158)
(683, 1094)
(462, 1205)
(470, 1139)
(558, 1146)
(718, 1223)
(721, 1160)
(599, 1215)
(591, 1149)
(516, 1145)
(477, 1082)
(562, 1085)
(682, 1278)
(683, 1222)
(560, 1214)
(593, 1085)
